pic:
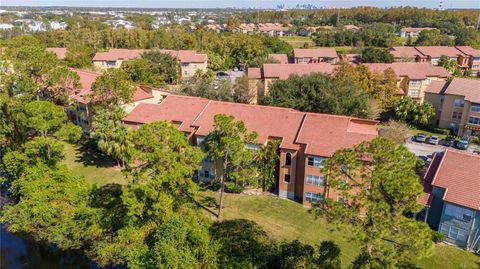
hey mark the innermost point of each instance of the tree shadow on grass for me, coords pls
(88, 155)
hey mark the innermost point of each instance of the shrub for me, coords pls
(215, 185)
(475, 140)
(437, 236)
(233, 188)
(443, 131)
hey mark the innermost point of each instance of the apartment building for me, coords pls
(467, 57)
(473, 58)
(452, 197)
(306, 139)
(412, 78)
(457, 105)
(322, 55)
(190, 60)
(81, 116)
(274, 29)
(260, 79)
(413, 31)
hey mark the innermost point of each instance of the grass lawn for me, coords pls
(416, 131)
(281, 219)
(287, 220)
(91, 164)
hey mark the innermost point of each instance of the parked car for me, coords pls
(449, 141)
(420, 138)
(462, 144)
(433, 140)
(222, 75)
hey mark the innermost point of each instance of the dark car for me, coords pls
(222, 75)
(462, 144)
(449, 141)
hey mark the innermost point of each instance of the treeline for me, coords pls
(384, 35)
(401, 16)
(225, 50)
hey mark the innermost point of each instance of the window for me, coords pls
(316, 161)
(427, 81)
(415, 83)
(82, 107)
(459, 213)
(313, 197)
(474, 120)
(458, 103)
(457, 115)
(184, 64)
(111, 63)
(206, 174)
(288, 159)
(253, 147)
(454, 233)
(286, 178)
(412, 92)
(340, 199)
(315, 180)
(475, 108)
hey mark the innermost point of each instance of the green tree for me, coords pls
(44, 117)
(227, 145)
(467, 37)
(113, 87)
(166, 65)
(411, 112)
(53, 208)
(79, 55)
(379, 186)
(376, 55)
(267, 161)
(242, 92)
(449, 64)
(112, 136)
(49, 78)
(433, 38)
(318, 93)
(144, 71)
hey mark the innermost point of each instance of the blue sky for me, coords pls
(241, 3)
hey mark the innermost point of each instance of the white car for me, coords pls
(433, 140)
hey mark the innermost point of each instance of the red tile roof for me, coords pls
(60, 52)
(470, 88)
(282, 58)
(315, 53)
(458, 173)
(86, 80)
(411, 70)
(254, 72)
(324, 134)
(469, 51)
(184, 56)
(405, 52)
(283, 71)
(291, 126)
(437, 87)
(427, 196)
(267, 27)
(438, 51)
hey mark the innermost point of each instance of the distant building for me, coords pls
(321, 55)
(60, 52)
(413, 31)
(190, 60)
(466, 57)
(6, 26)
(452, 197)
(413, 78)
(457, 105)
(274, 29)
(307, 140)
(81, 115)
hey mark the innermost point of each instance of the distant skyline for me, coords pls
(447, 4)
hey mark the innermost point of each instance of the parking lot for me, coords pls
(425, 149)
